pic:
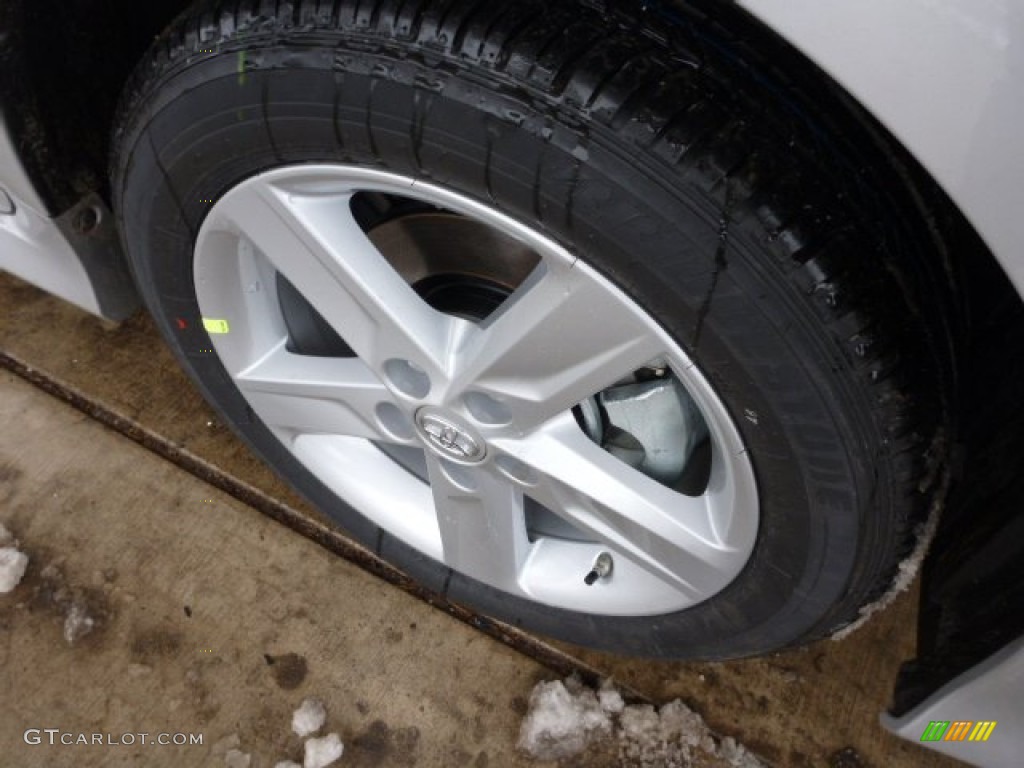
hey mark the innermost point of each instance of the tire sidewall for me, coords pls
(643, 225)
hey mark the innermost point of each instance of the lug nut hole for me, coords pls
(486, 409)
(394, 422)
(408, 378)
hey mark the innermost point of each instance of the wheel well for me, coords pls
(65, 69)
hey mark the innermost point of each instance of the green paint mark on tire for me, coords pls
(215, 325)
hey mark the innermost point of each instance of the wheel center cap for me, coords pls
(449, 437)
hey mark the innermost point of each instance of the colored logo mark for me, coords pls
(958, 730)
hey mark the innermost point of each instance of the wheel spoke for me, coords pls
(316, 395)
(454, 436)
(310, 235)
(482, 523)
(664, 532)
(559, 339)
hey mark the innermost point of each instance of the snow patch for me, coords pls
(564, 718)
(309, 717)
(668, 736)
(736, 755)
(610, 699)
(561, 722)
(221, 746)
(287, 764)
(322, 752)
(12, 567)
(78, 623)
(237, 759)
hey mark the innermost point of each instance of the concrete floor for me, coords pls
(213, 619)
(139, 540)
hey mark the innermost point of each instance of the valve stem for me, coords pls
(602, 567)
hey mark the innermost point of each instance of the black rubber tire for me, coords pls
(769, 244)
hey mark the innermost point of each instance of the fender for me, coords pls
(943, 77)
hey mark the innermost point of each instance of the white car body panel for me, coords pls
(989, 691)
(31, 244)
(946, 78)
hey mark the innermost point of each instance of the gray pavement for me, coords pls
(212, 619)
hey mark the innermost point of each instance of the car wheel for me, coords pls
(559, 310)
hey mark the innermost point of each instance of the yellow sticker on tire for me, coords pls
(215, 325)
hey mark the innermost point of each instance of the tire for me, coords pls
(704, 203)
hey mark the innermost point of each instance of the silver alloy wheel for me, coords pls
(489, 403)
